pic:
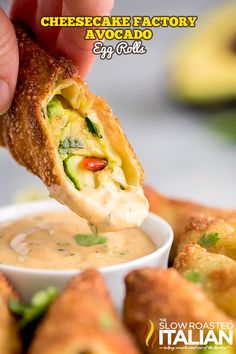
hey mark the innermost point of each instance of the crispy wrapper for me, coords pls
(10, 342)
(25, 132)
(157, 295)
(201, 226)
(82, 320)
(214, 273)
(178, 212)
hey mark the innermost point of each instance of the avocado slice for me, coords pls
(204, 64)
(77, 174)
(54, 108)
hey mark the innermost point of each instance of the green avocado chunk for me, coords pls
(77, 174)
(54, 108)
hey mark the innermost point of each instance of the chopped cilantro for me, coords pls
(89, 240)
(92, 127)
(106, 321)
(35, 309)
(63, 151)
(71, 143)
(193, 276)
(67, 144)
(208, 240)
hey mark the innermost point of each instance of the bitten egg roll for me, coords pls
(10, 342)
(163, 295)
(70, 138)
(214, 273)
(82, 320)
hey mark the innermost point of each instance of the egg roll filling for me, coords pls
(80, 139)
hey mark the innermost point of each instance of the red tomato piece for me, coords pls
(94, 163)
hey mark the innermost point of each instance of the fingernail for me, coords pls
(5, 97)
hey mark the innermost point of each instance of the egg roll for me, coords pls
(214, 234)
(70, 138)
(163, 295)
(214, 273)
(10, 342)
(82, 320)
(178, 212)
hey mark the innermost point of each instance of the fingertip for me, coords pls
(85, 62)
(82, 57)
(24, 10)
(71, 41)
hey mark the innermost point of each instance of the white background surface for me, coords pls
(181, 156)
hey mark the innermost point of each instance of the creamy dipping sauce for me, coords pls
(48, 241)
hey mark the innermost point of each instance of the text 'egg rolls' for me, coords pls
(178, 212)
(82, 320)
(157, 295)
(10, 342)
(71, 139)
(215, 273)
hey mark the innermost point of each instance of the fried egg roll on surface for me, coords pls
(215, 273)
(178, 212)
(82, 320)
(70, 138)
(214, 234)
(157, 294)
(10, 342)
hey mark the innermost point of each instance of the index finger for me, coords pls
(71, 41)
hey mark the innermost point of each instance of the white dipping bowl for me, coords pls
(29, 280)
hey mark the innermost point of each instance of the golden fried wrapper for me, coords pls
(157, 295)
(178, 213)
(70, 138)
(215, 234)
(214, 273)
(82, 320)
(10, 342)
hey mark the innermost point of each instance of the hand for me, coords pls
(9, 62)
(68, 41)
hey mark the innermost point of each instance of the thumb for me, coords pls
(9, 62)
